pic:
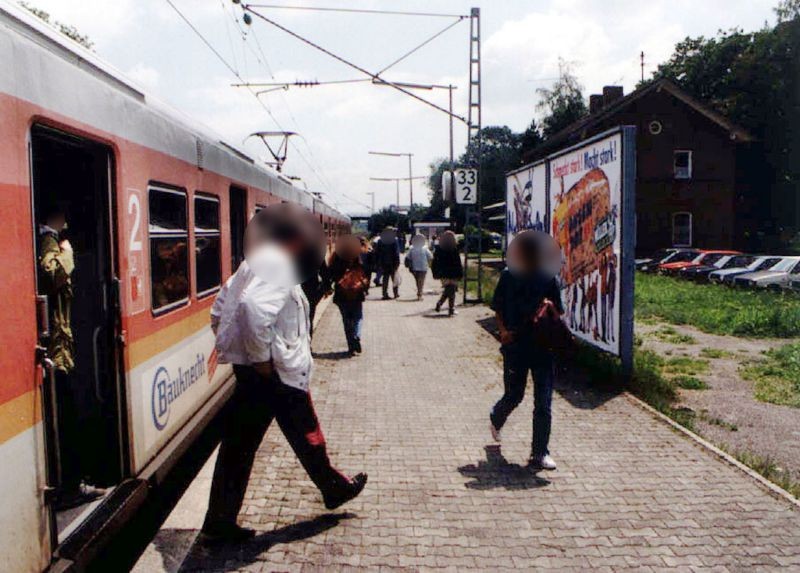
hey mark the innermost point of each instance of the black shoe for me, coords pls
(396, 292)
(439, 306)
(347, 492)
(357, 346)
(226, 533)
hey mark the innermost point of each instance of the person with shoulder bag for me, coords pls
(528, 309)
(350, 284)
(418, 259)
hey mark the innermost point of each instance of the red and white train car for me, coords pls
(156, 210)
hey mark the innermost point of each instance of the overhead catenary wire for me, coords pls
(377, 78)
(359, 11)
(236, 73)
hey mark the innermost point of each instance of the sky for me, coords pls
(522, 42)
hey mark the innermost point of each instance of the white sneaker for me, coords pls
(543, 463)
(495, 433)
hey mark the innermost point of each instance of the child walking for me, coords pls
(534, 260)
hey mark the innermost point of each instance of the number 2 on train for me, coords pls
(466, 186)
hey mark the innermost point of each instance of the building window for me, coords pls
(169, 238)
(681, 229)
(683, 164)
(208, 272)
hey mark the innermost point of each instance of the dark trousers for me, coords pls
(254, 404)
(386, 274)
(448, 295)
(519, 359)
(419, 278)
(352, 317)
(69, 433)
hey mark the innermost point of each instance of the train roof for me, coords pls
(186, 137)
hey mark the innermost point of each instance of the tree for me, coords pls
(69, 31)
(563, 102)
(753, 78)
(500, 153)
(531, 137)
(787, 10)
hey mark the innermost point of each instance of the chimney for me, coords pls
(612, 94)
(595, 103)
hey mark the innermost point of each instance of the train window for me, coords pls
(207, 271)
(169, 238)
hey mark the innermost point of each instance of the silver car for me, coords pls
(760, 263)
(775, 278)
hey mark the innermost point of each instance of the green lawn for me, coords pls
(717, 309)
(776, 377)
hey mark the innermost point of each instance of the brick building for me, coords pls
(697, 173)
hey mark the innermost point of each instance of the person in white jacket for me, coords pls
(261, 321)
(418, 259)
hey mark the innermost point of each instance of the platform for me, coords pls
(630, 492)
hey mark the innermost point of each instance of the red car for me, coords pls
(690, 259)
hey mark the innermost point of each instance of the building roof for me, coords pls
(585, 124)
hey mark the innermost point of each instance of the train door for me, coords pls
(77, 294)
(238, 219)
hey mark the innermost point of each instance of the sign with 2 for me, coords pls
(466, 186)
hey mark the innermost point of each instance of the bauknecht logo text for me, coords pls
(166, 389)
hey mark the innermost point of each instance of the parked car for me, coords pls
(660, 256)
(701, 272)
(775, 278)
(705, 257)
(677, 256)
(761, 263)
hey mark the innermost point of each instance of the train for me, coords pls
(156, 207)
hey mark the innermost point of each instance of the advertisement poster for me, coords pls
(585, 198)
(526, 200)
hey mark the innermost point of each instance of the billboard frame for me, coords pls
(627, 277)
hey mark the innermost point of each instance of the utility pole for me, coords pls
(474, 138)
(641, 56)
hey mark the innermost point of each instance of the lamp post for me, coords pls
(410, 174)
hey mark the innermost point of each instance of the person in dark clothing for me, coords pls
(446, 267)
(350, 283)
(314, 289)
(534, 260)
(387, 259)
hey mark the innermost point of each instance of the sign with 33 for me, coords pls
(466, 186)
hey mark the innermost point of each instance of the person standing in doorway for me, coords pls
(261, 321)
(56, 266)
(387, 259)
(534, 260)
(350, 284)
(447, 267)
(418, 259)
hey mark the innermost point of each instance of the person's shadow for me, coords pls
(203, 555)
(333, 355)
(497, 472)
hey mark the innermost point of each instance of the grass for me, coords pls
(715, 353)
(776, 376)
(714, 421)
(489, 277)
(689, 382)
(491, 253)
(670, 335)
(684, 366)
(769, 469)
(717, 309)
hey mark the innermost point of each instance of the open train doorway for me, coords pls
(78, 321)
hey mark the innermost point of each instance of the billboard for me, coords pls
(526, 199)
(588, 196)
